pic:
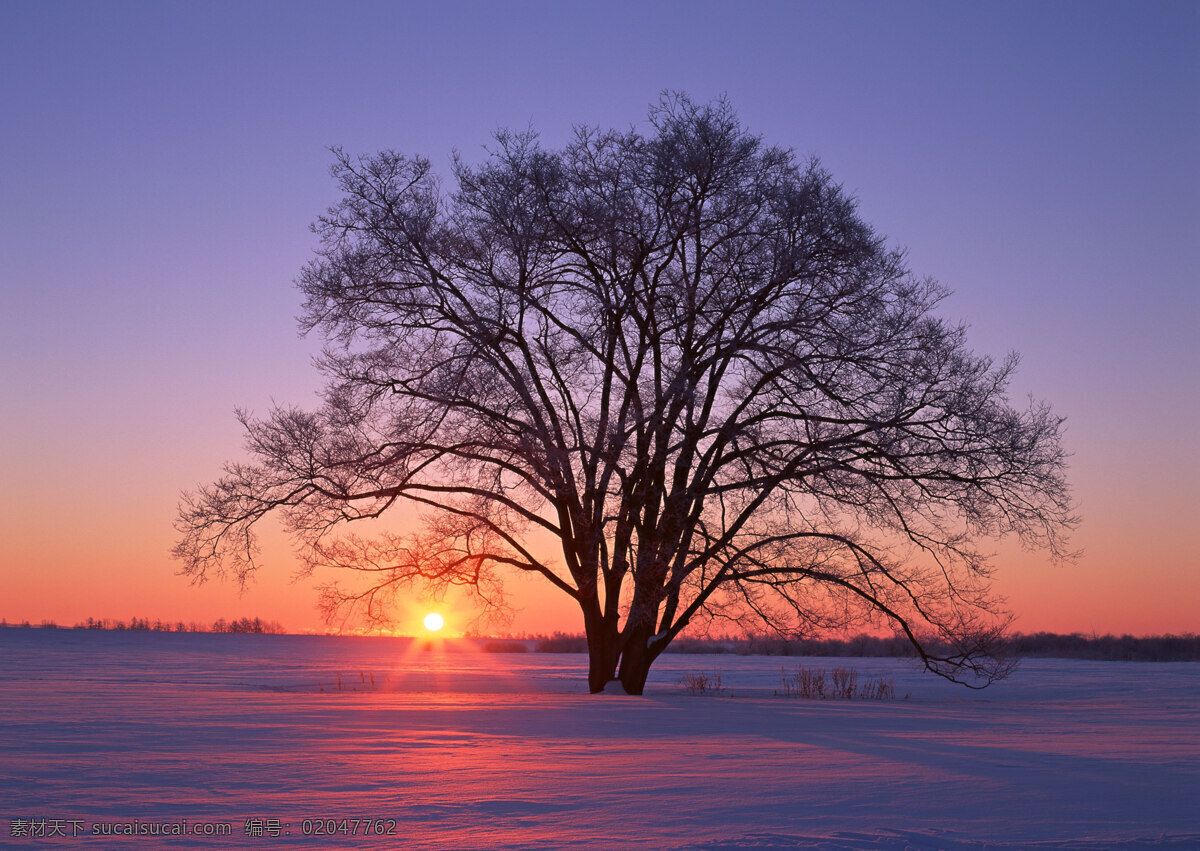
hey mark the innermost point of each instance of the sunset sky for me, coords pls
(162, 163)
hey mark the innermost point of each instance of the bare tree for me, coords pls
(684, 356)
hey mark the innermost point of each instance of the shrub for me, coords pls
(808, 683)
(702, 682)
(845, 683)
(840, 684)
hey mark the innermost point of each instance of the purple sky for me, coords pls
(162, 163)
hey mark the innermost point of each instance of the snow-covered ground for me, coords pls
(462, 749)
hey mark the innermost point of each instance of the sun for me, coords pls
(434, 622)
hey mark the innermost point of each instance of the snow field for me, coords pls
(464, 749)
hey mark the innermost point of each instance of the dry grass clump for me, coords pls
(364, 677)
(702, 682)
(838, 684)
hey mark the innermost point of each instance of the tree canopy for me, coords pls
(679, 353)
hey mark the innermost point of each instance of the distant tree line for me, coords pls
(255, 626)
(1045, 645)
(1123, 648)
(1127, 648)
(753, 645)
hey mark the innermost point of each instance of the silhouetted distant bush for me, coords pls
(775, 645)
(561, 642)
(500, 645)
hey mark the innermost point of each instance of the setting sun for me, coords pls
(434, 622)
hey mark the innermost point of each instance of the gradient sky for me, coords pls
(161, 163)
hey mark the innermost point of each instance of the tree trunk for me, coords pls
(636, 658)
(603, 650)
(637, 653)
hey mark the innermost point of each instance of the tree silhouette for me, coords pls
(684, 357)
